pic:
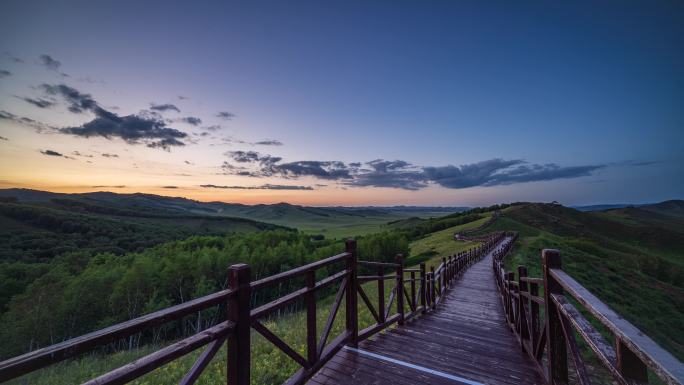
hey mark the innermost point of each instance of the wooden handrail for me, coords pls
(648, 351)
(627, 360)
(17, 366)
(273, 279)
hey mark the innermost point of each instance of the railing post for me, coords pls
(423, 287)
(239, 313)
(522, 307)
(310, 300)
(629, 365)
(352, 320)
(400, 288)
(381, 294)
(534, 315)
(413, 291)
(433, 288)
(555, 341)
(443, 276)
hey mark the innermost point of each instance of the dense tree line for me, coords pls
(79, 294)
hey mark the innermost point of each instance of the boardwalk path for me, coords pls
(465, 341)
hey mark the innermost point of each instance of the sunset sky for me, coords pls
(346, 102)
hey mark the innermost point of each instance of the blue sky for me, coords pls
(481, 102)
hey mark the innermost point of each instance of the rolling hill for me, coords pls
(333, 222)
(632, 258)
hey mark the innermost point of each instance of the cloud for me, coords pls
(164, 107)
(636, 163)
(3, 138)
(14, 59)
(170, 187)
(181, 97)
(4, 74)
(109, 186)
(191, 120)
(495, 172)
(393, 174)
(402, 174)
(38, 102)
(147, 128)
(214, 127)
(77, 101)
(225, 115)
(76, 153)
(189, 162)
(49, 62)
(51, 153)
(261, 187)
(38, 126)
(269, 142)
(106, 155)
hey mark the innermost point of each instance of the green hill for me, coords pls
(631, 258)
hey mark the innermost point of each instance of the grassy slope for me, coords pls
(611, 259)
(442, 243)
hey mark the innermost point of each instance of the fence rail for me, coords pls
(546, 326)
(413, 291)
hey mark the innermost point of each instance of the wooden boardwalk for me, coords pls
(466, 340)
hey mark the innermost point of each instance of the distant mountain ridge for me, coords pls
(264, 212)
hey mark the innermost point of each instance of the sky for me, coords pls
(460, 103)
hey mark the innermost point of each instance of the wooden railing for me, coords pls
(464, 235)
(546, 324)
(425, 290)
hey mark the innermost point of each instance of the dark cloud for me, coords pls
(495, 172)
(269, 143)
(76, 153)
(133, 129)
(164, 107)
(77, 101)
(402, 174)
(214, 127)
(106, 155)
(146, 127)
(191, 120)
(4, 74)
(49, 62)
(270, 166)
(3, 138)
(38, 126)
(170, 187)
(38, 102)
(188, 162)
(393, 174)
(51, 153)
(181, 97)
(225, 115)
(262, 187)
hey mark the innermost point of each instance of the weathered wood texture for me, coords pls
(466, 336)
